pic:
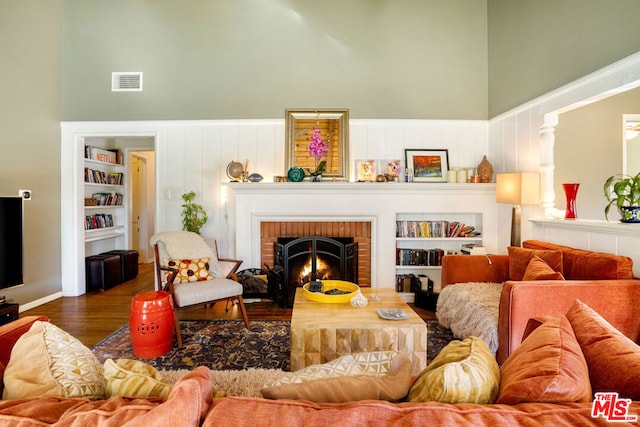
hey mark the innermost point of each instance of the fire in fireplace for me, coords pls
(309, 258)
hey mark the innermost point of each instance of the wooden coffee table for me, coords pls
(322, 332)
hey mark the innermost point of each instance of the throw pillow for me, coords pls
(537, 269)
(547, 367)
(519, 260)
(133, 378)
(190, 270)
(47, 361)
(613, 359)
(392, 386)
(463, 371)
(374, 363)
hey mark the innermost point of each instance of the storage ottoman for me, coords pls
(102, 271)
(128, 262)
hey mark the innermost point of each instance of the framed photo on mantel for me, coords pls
(428, 165)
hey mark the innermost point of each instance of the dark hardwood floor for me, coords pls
(93, 316)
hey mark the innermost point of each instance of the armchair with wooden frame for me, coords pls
(190, 270)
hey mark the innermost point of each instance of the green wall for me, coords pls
(219, 59)
(30, 135)
(536, 46)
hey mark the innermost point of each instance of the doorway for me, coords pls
(142, 204)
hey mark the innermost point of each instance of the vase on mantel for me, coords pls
(315, 177)
(570, 193)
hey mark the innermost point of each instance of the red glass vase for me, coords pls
(570, 193)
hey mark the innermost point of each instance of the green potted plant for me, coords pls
(193, 214)
(623, 191)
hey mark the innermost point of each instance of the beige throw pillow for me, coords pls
(133, 378)
(463, 371)
(391, 386)
(47, 361)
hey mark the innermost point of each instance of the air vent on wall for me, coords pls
(126, 82)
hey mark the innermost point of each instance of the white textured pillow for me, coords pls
(47, 361)
(376, 363)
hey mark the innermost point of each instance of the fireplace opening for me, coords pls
(309, 258)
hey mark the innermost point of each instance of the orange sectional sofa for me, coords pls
(568, 354)
(191, 401)
(603, 281)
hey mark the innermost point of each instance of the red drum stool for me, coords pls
(151, 324)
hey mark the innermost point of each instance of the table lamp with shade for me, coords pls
(521, 188)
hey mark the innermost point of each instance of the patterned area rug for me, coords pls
(228, 345)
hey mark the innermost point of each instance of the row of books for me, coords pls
(96, 221)
(424, 229)
(108, 199)
(100, 177)
(413, 283)
(114, 156)
(422, 257)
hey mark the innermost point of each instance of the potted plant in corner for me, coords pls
(623, 191)
(193, 214)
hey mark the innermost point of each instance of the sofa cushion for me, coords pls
(613, 359)
(47, 361)
(190, 270)
(463, 371)
(392, 386)
(537, 269)
(519, 259)
(547, 367)
(186, 405)
(134, 378)
(580, 264)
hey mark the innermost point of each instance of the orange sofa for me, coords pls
(190, 403)
(603, 281)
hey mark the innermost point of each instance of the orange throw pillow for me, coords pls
(547, 367)
(519, 259)
(613, 359)
(537, 269)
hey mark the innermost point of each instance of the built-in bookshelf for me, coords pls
(422, 239)
(104, 191)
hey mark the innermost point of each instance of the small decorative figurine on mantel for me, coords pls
(485, 170)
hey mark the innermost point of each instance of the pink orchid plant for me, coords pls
(318, 149)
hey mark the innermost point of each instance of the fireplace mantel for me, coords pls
(248, 204)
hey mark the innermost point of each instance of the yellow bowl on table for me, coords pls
(327, 285)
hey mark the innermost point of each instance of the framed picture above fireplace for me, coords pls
(427, 165)
(318, 137)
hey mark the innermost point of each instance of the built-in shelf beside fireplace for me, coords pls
(251, 205)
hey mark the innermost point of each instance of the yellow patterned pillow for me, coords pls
(190, 270)
(47, 361)
(133, 378)
(463, 371)
(376, 363)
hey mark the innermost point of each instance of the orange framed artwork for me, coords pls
(428, 165)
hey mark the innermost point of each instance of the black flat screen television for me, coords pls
(11, 244)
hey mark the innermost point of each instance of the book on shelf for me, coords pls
(421, 257)
(114, 156)
(94, 176)
(426, 284)
(108, 198)
(97, 221)
(473, 249)
(407, 283)
(439, 228)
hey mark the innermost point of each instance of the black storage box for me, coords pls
(128, 262)
(426, 300)
(102, 271)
